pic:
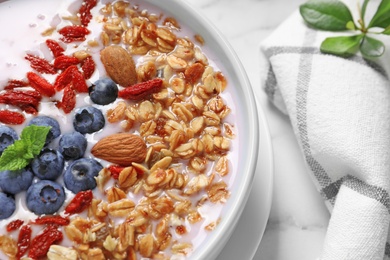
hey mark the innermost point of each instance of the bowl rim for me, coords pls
(222, 233)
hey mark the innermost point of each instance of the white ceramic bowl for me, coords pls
(247, 121)
(248, 125)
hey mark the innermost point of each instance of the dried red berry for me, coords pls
(62, 62)
(80, 202)
(52, 220)
(40, 84)
(73, 33)
(64, 78)
(55, 48)
(115, 170)
(78, 82)
(24, 239)
(41, 243)
(141, 90)
(68, 102)
(85, 11)
(11, 117)
(14, 225)
(14, 83)
(88, 67)
(41, 65)
(28, 100)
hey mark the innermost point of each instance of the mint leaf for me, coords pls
(13, 157)
(341, 45)
(22, 151)
(371, 47)
(35, 137)
(331, 15)
(382, 16)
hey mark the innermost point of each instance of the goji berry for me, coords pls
(49, 220)
(14, 83)
(14, 225)
(64, 78)
(88, 67)
(41, 243)
(40, 84)
(24, 239)
(28, 101)
(73, 33)
(55, 48)
(30, 110)
(62, 62)
(141, 90)
(80, 202)
(115, 170)
(41, 65)
(68, 102)
(78, 82)
(11, 117)
(85, 11)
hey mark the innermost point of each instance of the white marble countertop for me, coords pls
(298, 220)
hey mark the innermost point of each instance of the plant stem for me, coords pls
(362, 13)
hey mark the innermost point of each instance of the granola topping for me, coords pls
(166, 148)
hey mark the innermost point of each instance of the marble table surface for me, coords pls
(297, 223)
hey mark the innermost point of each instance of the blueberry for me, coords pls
(48, 165)
(80, 175)
(45, 197)
(7, 205)
(72, 145)
(47, 121)
(103, 91)
(7, 137)
(88, 120)
(16, 181)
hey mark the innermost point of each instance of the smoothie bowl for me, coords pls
(128, 130)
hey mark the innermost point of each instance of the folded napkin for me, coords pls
(339, 109)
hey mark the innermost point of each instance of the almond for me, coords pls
(122, 149)
(119, 65)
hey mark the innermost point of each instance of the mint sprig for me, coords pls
(334, 15)
(22, 151)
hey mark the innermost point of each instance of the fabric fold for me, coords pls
(339, 110)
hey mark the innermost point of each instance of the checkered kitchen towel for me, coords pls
(340, 113)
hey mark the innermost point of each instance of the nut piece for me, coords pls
(57, 252)
(119, 65)
(122, 149)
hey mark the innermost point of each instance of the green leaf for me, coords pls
(22, 151)
(13, 157)
(364, 7)
(371, 47)
(341, 45)
(351, 26)
(331, 15)
(382, 16)
(386, 31)
(35, 137)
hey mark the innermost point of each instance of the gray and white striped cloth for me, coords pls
(339, 109)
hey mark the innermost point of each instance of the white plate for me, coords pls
(246, 237)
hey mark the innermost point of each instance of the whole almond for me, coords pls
(122, 149)
(119, 65)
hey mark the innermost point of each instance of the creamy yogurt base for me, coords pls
(24, 36)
